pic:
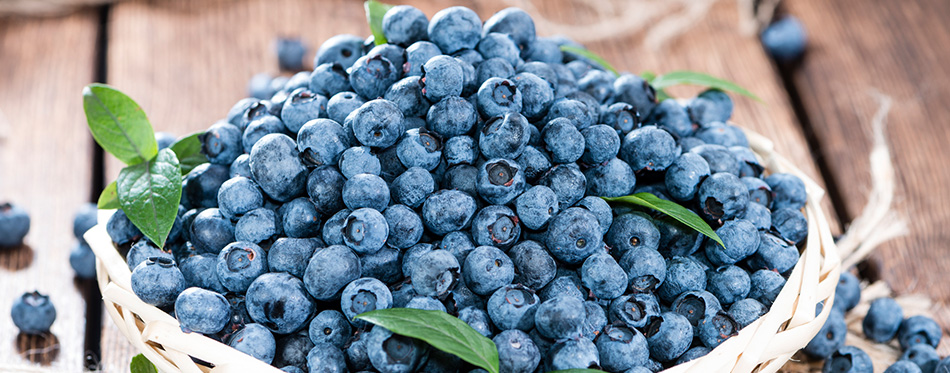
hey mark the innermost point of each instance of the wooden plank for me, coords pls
(46, 163)
(187, 63)
(897, 49)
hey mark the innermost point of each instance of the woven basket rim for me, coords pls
(762, 346)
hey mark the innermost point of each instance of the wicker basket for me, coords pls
(765, 345)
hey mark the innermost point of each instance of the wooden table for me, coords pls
(187, 62)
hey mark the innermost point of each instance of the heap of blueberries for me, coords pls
(918, 335)
(459, 167)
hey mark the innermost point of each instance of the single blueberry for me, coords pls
(239, 264)
(157, 281)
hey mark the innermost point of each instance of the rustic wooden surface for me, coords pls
(186, 63)
(46, 163)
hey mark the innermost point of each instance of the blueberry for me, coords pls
(301, 107)
(512, 21)
(329, 79)
(405, 226)
(441, 77)
(239, 264)
(199, 271)
(848, 359)
(560, 317)
(759, 191)
(535, 163)
(918, 329)
(574, 112)
(621, 117)
(787, 191)
(486, 269)
(326, 357)
(329, 270)
(435, 273)
(534, 267)
(222, 143)
(417, 55)
(516, 351)
(493, 68)
(684, 176)
(299, 218)
(903, 366)
(614, 178)
(356, 355)
(383, 265)
(573, 235)
(692, 354)
(601, 144)
(372, 74)
(455, 28)
(460, 150)
(258, 225)
(240, 167)
(451, 116)
(325, 188)
(255, 340)
(276, 167)
(649, 148)
(622, 348)
(567, 283)
(202, 311)
(513, 307)
(790, 224)
(291, 255)
(83, 260)
(710, 106)
(785, 39)
(496, 226)
(33, 313)
(719, 158)
(536, 95)
(730, 136)
(291, 353)
(773, 254)
(563, 140)
(716, 327)
(572, 354)
(365, 231)
(847, 292)
(603, 276)
(542, 50)
(598, 84)
(536, 206)
(200, 186)
(404, 25)
(742, 239)
(331, 327)
(682, 274)
(411, 257)
(759, 216)
(671, 116)
(321, 141)
(157, 281)
(477, 318)
(500, 181)
(677, 239)
(407, 95)
(632, 231)
(567, 181)
(668, 336)
(830, 337)
(366, 190)
(923, 355)
(943, 365)
(635, 91)
(728, 283)
(363, 295)
(601, 210)
(342, 104)
(377, 123)
(722, 196)
(343, 49)
(749, 165)
(260, 127)
(412, 187)
(238, 196)
(420, 148)
(497, 97)
(142, 250)
(645, 268)
(448, 210)
(747, 310)
(504, 136)
(765, 286)
(391, 353)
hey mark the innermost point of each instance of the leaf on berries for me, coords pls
(671, 209)
(118, 124)
(375, 11)
(149, 193)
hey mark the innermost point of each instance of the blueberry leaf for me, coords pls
(118, 124)
(140, 364)
(109, 198)
(591, 56)
(374, 15)
(149, 193)
(671, 209)
(188, 151)
(441, 330)
(696, 78)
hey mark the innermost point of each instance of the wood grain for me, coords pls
(46, 165)
(186, 63)
(898, 49)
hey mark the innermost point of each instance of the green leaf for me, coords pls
(141, 365)
(441, 330)
(695, 78)
(648, 76)
(591, 56)
(578, 371)
(118, 124)
(149, 193)
(671, 209)
(188, 152)
(109, 199)
(374, 15)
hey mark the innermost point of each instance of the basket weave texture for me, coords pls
(763, 346)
